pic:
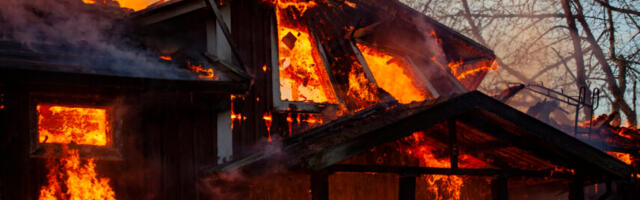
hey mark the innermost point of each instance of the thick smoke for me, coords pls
(94, 35)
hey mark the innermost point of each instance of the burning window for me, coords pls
(302, 73)
(72, 124)
(71, 137)
(393, 74)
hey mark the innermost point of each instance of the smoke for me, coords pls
(234, 183)
(89, 35)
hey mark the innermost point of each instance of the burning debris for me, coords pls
(72, 178)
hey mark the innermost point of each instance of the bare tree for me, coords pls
(565, 44)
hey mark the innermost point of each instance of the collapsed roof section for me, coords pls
(493, 133)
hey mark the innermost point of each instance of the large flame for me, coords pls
(442, 186)
(461, 74)
(390, 73)
(133, 4)
(72, 124)
(303, 76)
(69, 178)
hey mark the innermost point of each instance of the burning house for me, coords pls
(273, 99)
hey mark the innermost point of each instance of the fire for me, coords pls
(624, 157)
(72, 124)
(205, 73)
(167, 58)
(69, 178)
(360, 86)
(443, 186)
(460, 74)
(303, 76)
(267, 122)
(390, 73)
(133, 4)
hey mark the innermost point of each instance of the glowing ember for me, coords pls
(167, 58)
(390, 73)
(484, 66)
(443, 186)
(267, 122)
(361, 87)
(624, 157)
(69, 178)
(303, 76)
(67, 124)
(205, 73)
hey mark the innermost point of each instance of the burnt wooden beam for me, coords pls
(235, 71)
(51, 80)
(499, 188)
(320, 185)
(147, 17)
(447, 171)
(407, 187)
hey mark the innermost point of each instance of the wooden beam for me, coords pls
(407, 188)
(168, 12)
(447, 171)
(320, 185)
(226, 31)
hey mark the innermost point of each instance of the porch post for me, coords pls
(576, 188)
(407, 187)
(499, 188)
(320, 185)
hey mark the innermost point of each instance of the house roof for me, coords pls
(518, 140)
(75, 65)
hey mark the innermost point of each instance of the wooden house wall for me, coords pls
(167, 138)
(251, 27)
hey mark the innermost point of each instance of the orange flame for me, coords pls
(80, 181)
(624, 157)
(201, 71)
(390, 72)
(303, 76)
(67, 124)
(443, 186)
(167, 58)
(267, 122)
(133, 4)
(360, 86)
(463, 74)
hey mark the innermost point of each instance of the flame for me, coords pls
(303, 76)
(133, 4)
(359, 86)
(267, 122)
(167, 58)
(69, 178)
(350, 4)
(443, 186)
(205, 73)
(390, 73)
(457, 72)
(67, 124)
(624, 157)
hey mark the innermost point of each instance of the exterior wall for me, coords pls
(167, 139)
